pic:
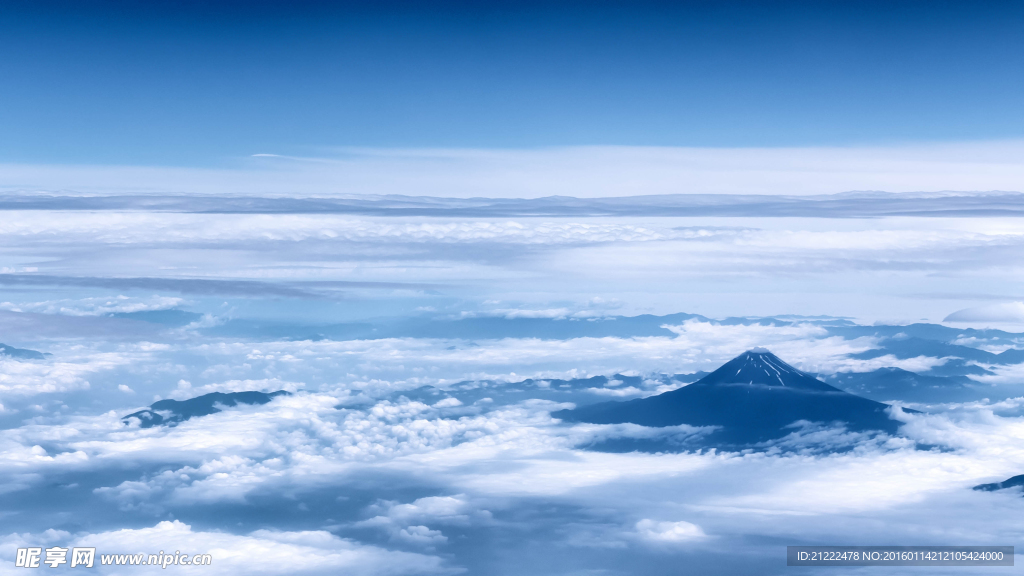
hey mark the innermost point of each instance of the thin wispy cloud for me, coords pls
(587, 172)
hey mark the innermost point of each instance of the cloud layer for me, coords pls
(426, 354)
(593, 171)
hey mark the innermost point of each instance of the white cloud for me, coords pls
(697, 345)
(915, 364)
(1002, 313)
(865, 268)
(669, 532)
(627, 392)
(408, 523)
(445, 510)
(25, 378)
(95, 306)
(229, 454)
(420, 536)
(68, 368)
(264, 552)
(517, 452)
(1003, 374)
(127, 228)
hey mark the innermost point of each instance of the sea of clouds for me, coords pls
(353, 472)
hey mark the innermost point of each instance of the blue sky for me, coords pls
(195, 84)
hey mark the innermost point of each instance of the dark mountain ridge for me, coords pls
(21, 353)
(1008, 483)
(753, 398)
(171, 412)
(897, 384)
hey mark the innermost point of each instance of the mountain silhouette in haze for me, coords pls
(171, 412)
(753, 398)
(21, 353)
(1008, 483)
(891, 383)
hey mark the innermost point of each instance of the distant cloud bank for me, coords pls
(582, 171)
(842, 205)
(1005, 312)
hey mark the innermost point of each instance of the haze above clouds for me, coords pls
(585, 172)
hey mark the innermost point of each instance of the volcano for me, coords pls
(753, 398)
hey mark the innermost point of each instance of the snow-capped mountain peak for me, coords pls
(759, 367)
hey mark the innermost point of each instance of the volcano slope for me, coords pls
(753, 398)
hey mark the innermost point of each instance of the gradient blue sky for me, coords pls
(194, 84)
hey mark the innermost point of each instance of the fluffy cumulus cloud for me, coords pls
(1006, 374)
(301, 440)
(668, 532)
(410, 523)
(499, 468)
(18, 377)
(68, 368)
(227, 455)
(261, 552)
